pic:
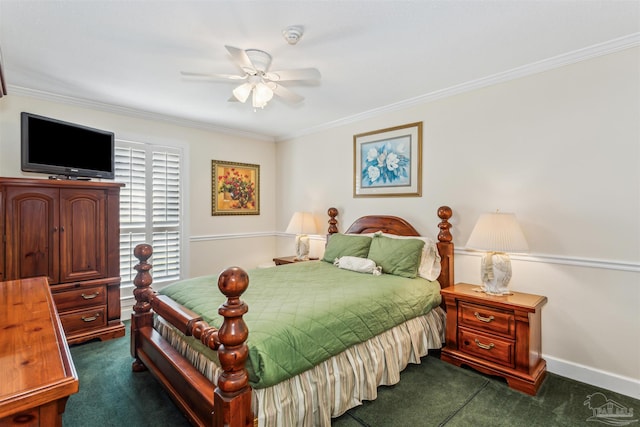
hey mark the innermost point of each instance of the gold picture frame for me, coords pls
(388, 162)
(235, 188)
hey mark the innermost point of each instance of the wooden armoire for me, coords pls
(67, 231)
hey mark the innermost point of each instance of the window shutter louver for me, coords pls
(150, 206)
(130, 169)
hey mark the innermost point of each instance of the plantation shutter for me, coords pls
(150, 207)
(166, 214)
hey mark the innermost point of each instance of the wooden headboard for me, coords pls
(398, 226)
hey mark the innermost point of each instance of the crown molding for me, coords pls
(605, 48)
(611, 46)
(133, 112)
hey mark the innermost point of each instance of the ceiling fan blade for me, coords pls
(285, 93)
(212, 75)
(241, 59)
(296, 74)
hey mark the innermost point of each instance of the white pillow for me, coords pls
(357, 264)
(430, 261)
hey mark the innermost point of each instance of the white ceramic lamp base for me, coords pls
(302, 247)
(496, 273)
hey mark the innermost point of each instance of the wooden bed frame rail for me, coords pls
(230, 403)
(232, 395)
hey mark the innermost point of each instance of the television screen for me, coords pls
(66, 149)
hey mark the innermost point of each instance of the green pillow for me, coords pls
(396, 256)
(340, 245)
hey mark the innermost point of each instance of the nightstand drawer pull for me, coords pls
(90, 296)
(483, 319)
(484, 346)
(94, 317)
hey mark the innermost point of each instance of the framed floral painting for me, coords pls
(388, 162)
(235, 188)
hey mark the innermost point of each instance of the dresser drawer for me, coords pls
(81, 297)
(486, 319)
(28, 418)
(94, 317)
(487, 347)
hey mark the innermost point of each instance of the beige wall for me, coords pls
(561, 150)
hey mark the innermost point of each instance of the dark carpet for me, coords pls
(433, 393)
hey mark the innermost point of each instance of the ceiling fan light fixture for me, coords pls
(261, 95)
(259, 82)
(243, 91)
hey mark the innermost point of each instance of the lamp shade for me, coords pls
(243, 91)
(302, 223)
(498, 232)
(261, 95)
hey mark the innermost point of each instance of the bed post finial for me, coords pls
(232, 396)
(445, 247)
(444, 213)
(333, 222)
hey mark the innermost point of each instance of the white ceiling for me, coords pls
(373, 55)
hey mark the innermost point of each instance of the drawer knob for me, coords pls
(484, 346)
(90, 296)
(94, 317)
(482, 318)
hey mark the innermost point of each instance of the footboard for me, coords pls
(228, 403)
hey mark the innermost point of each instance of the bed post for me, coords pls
(445, 247)
(232, 396)
(141, 316)
(333, 222)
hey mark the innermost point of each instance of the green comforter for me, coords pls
(304, 313)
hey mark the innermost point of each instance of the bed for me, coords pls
(195, 341)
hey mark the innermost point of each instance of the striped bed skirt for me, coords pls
(336, 385)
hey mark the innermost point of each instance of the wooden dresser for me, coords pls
(37, 373)
(69, 232)
(497, 335)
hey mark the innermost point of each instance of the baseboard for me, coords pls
(607, 380)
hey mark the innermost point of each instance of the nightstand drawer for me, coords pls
(486, 319)
(487, 347)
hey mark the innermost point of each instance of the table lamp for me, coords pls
(302, 223)
(497, 233)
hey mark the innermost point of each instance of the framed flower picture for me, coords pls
(235, 188)
(388, 162)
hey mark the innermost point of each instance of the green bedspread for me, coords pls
(304, 313)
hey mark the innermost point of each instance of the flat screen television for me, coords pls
(66, 150)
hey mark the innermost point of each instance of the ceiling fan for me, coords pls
(259, 82)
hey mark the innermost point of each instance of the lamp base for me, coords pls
(302, 247)
(488, 291)
(495, 270)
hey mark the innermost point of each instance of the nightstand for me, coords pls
(290, 260)
(497, 335)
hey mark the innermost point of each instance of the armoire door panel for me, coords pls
(32, 234)
(83, 249)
